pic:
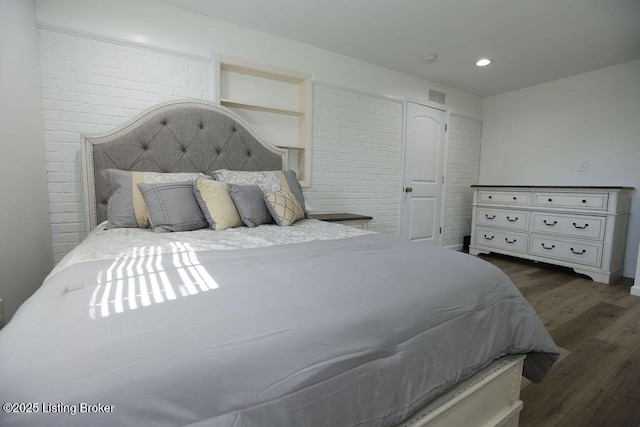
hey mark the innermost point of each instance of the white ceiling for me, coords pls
(530, 41)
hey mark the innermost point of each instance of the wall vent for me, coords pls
(435, 96)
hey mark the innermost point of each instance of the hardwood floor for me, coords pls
(596, 381)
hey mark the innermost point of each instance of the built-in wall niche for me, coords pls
(276, 102)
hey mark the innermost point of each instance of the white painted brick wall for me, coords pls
(91, 86)
(357, 141)
(463, 170)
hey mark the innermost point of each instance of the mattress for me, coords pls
(316, 324)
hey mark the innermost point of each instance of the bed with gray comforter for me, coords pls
(360, 330)
(315, 324)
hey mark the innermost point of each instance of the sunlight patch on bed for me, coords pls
(140, 279)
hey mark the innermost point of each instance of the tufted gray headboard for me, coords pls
(175, 136)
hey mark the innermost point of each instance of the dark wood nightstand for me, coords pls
(353, 220)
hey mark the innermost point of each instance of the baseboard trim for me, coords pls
(454, 247)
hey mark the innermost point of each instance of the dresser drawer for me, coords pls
(588, 227)
(567, 250)
(514, 242)
(595, 201)
(505, 197)
(504, 218)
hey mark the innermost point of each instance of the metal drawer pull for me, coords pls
(512, 220)
(512, 242)
(584, 201)
(408, 189)
(550, 224)
(515, 198)
(551, 200)
(491, 197)
(489, 238)
(580, 228)
(488, 217)
(548, 248)
(578, 253)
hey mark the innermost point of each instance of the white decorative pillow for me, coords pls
(284, 207)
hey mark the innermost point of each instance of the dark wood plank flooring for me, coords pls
(596, 381)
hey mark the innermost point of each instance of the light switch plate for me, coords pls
(583, 167)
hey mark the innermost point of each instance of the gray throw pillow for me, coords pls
(249, 201)
(126, 207)
(296, 189)
(172, 207)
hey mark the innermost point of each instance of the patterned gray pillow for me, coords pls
(266, 180)
(172, 207)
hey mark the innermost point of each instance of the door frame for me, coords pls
(445, 155)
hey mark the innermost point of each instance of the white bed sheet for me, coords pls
(135, 242)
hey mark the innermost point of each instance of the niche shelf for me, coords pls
(276, 102)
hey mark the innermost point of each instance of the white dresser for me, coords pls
(583, 228)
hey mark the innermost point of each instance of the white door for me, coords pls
(423, 177)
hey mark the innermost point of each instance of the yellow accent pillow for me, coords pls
(216, 204)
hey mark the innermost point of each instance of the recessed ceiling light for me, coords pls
(483, 62)
(429, 58)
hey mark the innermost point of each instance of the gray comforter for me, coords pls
(358, 331)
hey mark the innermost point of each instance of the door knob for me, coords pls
(408, 189)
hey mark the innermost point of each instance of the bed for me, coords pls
(308, 324)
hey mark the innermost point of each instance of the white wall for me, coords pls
(25, 248)
(159, 24)
(357, 150)
(462, 171)
(539, 135)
